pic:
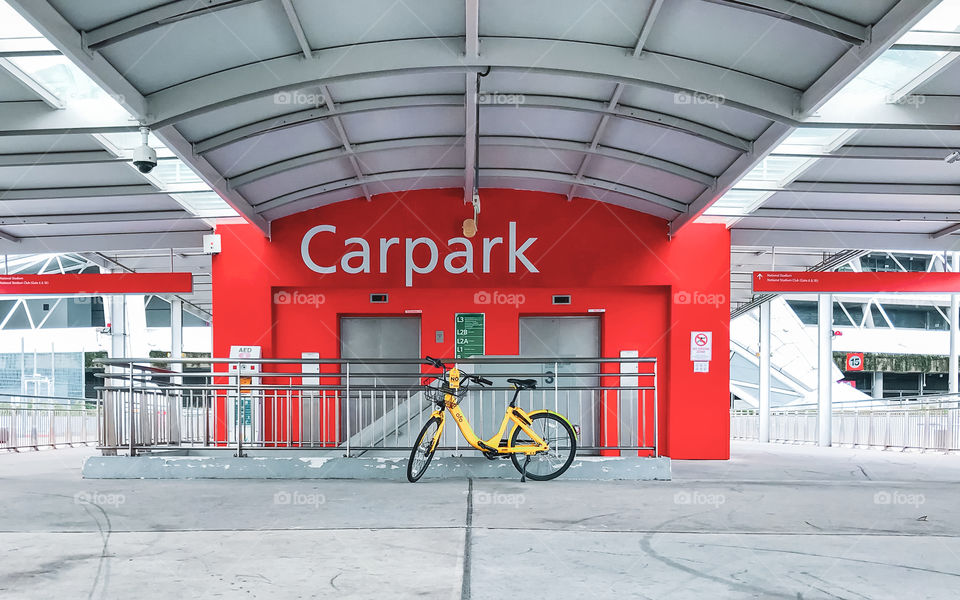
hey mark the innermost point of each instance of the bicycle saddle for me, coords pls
(523, 383)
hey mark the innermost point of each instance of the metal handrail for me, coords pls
(153, 408)
(37, 424)
(121, 362)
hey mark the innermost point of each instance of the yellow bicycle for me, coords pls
(546, 440)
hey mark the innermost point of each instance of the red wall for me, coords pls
(654, 291)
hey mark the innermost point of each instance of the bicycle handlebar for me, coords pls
(436, 362)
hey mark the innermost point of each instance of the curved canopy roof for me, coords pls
(284, 105)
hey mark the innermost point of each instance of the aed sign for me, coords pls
(701, 346)
(416, 256)
(854, 361)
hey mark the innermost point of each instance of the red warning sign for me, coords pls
(854, 361)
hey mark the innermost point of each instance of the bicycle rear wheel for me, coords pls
(551, 463)
(423, 450)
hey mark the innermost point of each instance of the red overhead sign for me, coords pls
(849, 282)
(91, 284)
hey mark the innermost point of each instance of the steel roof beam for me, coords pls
(31, 46)
(102, 217)
(836, 187)
(173, 139)
(945, 231)
(647, 27)
(70, 42)
(897, 21)
(803, 238)
(805, 16)
(94, 192)
(648, 117)
(228, 87)
(98, 241)
(297, 27)
(152, 18)
(933, 41)
(32, 159)
(532, 143)
(914, 112)
(341, 133)
(79, 117)
(875, 153)
(27, 81)
(651, 197)
(471, 51)
(847, 215)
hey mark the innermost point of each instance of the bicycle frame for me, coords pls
(513, 414)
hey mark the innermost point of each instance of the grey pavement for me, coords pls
(774, 522)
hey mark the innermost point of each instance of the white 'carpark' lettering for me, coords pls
(350, 265)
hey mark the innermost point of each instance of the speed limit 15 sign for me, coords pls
(854, 361)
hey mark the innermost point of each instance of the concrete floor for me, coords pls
(774, 522)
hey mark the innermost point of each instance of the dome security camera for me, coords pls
(145, 157)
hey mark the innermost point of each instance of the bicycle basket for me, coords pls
(437, 392)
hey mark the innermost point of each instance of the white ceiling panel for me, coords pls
(24, 144)
(400, 123)
(523, 121)
(393, 86)
(52, 176)
(252, 153)
(645, 178)
(182, 50)
(297, 179)
(505, 85)
(699, 109)
(611, 22)
(882, 171)
(698, 153)
(329, 23)
(778, 50)
(423, 157)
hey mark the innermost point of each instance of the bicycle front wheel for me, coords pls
(423, 450)
(558, 434)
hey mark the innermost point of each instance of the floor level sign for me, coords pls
(469, 334)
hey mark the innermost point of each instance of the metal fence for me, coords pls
(917, 422)
(46, 421)
(355, 406)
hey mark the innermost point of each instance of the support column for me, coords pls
(825, 368)
(175, 400)
(764, 397)
(878, 385)
(115, 315)
(954, 330)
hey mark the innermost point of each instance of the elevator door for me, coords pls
(559, 338)
(377, 338)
